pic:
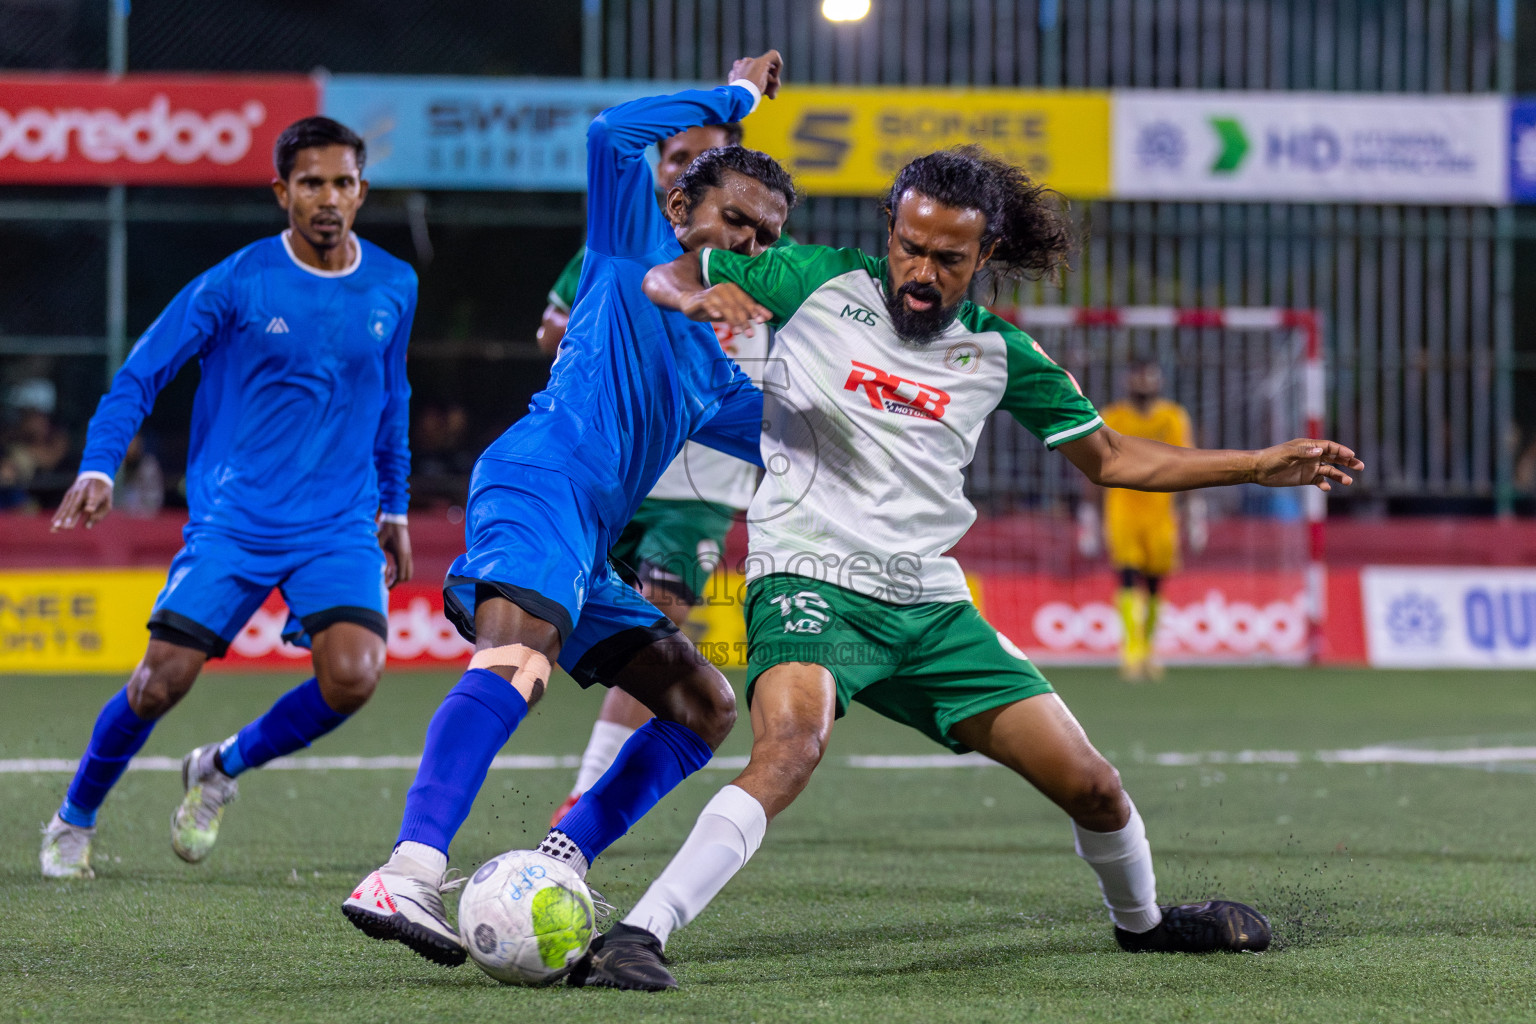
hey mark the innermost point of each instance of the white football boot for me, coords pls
(402, 902)
(66, 850)
(195, 822)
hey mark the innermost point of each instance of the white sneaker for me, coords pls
(195, 822)
(402, 901)
(66, 850)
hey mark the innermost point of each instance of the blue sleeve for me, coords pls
(392, 445)
(623, 218)
(188, 327)
(737, 426)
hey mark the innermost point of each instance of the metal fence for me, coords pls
(1417, 300)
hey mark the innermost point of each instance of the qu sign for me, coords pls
(852, 141)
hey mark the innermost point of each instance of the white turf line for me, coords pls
(1381, 754)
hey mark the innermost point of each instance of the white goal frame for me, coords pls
(1306, 324)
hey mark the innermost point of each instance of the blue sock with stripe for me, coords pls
(119, 734)
(651, 763)
(297, 719)
(473, 723)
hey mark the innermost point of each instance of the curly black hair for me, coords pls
(709, 168)
(1027, 222)
(311, 132)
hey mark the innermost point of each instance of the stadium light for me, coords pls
(844, 10)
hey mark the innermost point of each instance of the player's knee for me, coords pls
(348, 678)
(1098, 798)
(706, 704)
(794, 749)
(162, 679)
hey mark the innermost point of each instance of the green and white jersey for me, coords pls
(865, 435)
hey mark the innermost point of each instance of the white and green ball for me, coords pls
(526, 918)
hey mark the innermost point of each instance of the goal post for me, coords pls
(1249, 377)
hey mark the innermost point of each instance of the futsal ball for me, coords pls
(526, 918)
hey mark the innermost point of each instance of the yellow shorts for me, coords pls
(1148, 544)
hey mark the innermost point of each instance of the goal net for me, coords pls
(1252, 588)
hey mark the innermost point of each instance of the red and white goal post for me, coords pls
(1249, 377)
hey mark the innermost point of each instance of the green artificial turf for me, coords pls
(1398, 892)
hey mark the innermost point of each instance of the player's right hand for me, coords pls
(90, 497)
(762, 72)
(726, 304)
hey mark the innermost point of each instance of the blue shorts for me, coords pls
(536, 540)
(216, 583)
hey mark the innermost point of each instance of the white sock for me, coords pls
(1123, 862)
(602, 748)
(433, 860)
(727, 834)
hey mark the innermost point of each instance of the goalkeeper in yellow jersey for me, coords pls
(1141, 528)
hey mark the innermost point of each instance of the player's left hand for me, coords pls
(726, 304)
(1304, 462)
(395, 539)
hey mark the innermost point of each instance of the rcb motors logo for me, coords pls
(897, 394)
(803, 612)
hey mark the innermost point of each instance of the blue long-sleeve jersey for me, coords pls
(299, 426)
(634, 381)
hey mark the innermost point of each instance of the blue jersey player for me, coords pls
(296, 479)
(547, 500)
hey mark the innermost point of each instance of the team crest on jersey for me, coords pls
(379, 323)
(897, 394)
(803, 611)
(964, 356)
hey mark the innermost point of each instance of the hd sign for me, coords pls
(1310, 147)
(1450, 617)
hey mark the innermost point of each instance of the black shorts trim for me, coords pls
(174, 628)
(530, 601)
(369, 618)
(658, 578)
(607, 658)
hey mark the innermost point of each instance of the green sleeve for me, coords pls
(562, 295)
(1039, 394)
(782, 279)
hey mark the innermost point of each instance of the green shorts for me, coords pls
(924, 665)
(675, 543)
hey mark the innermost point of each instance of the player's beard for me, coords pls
(920, 326)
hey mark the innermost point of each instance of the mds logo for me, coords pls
(897, 394)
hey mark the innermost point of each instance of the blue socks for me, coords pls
(119, 734)
(474, 721)
(650, 765)
(299, 717)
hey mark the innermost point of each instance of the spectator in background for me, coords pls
(139, 489)
(34, 444)
(13, 495)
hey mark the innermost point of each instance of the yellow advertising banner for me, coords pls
(81, 621)
(852, 141)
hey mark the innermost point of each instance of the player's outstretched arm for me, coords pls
(623, 220)
(1112, 459)
(187, 325)
(680, 285)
